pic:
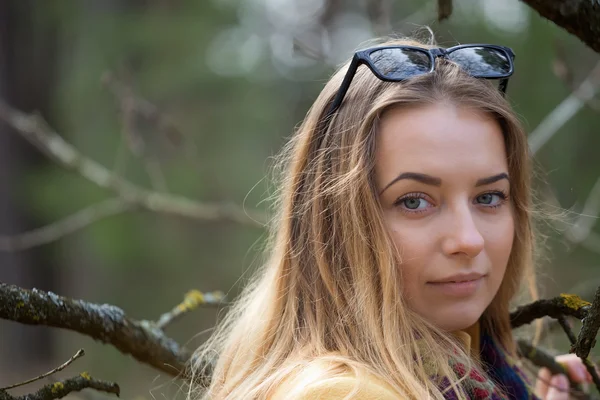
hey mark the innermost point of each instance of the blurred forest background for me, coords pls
(193, 98)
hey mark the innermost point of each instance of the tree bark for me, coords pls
(578, 17)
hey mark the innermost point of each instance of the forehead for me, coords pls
(441, 140)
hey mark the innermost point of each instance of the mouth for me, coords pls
(459, 278)
(463, 286)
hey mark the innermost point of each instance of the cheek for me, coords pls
(414, 244)
(501, 238)
(499, 246)
(416, 247)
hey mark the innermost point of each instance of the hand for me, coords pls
(556, 387)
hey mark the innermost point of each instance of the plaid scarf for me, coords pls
(507, 382)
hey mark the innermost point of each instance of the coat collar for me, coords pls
(470, 339)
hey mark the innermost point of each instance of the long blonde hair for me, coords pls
(330, 285)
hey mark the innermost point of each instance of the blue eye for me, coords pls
(492, 199)
(415, 203)
(412, 203)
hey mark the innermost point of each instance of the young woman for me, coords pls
(403, 231)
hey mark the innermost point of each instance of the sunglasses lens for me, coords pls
(482, 62)
(396, 63)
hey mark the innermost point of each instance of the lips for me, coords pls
(458, 278)
(459, 286)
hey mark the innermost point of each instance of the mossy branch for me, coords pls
(193, 299)
(143, 340)
(563, 305)
(559, 307)
(591, 324)
(58, 390)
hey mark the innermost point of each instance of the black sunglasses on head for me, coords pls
(397, 63)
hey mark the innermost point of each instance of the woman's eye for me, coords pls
(412, 203)
(491, 199)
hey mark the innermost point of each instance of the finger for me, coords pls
(559, 388)
(574, 366)
(541, 385)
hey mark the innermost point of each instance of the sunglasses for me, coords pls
(397, 63)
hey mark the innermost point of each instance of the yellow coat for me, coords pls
(309, 386)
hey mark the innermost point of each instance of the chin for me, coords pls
(458, 318)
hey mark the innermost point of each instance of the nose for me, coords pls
(462, 235)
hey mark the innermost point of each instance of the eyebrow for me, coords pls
(435, 181)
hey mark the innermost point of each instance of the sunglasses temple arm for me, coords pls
(339, 97)
(502, 85)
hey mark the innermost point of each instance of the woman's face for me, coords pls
(443, 183)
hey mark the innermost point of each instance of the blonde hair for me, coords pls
(330, 286)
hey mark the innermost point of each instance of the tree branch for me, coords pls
(586, 361)
(582, 227)
(565, 304)
(592, 242)
(559, 307)
(58, 390)
(578, 17)
(65, 226)
(106, 323)
(193, 299)
(565, 110)
(36, 131)
(566, 326)
(79, 353)
(591, 324)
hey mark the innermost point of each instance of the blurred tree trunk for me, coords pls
(28, 44)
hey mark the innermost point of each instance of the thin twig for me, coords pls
(593, 370)
(161, 122)
(79, 353)
(564, 72)
(65, 226)
(134, 112)
(566, 326)
(592, 242)
(588, 217)
(565, 110)
(193, 299)
(60, 389)
(308, 51)
(37, 132)
(156, 174)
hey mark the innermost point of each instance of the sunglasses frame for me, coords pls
(364, 57)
